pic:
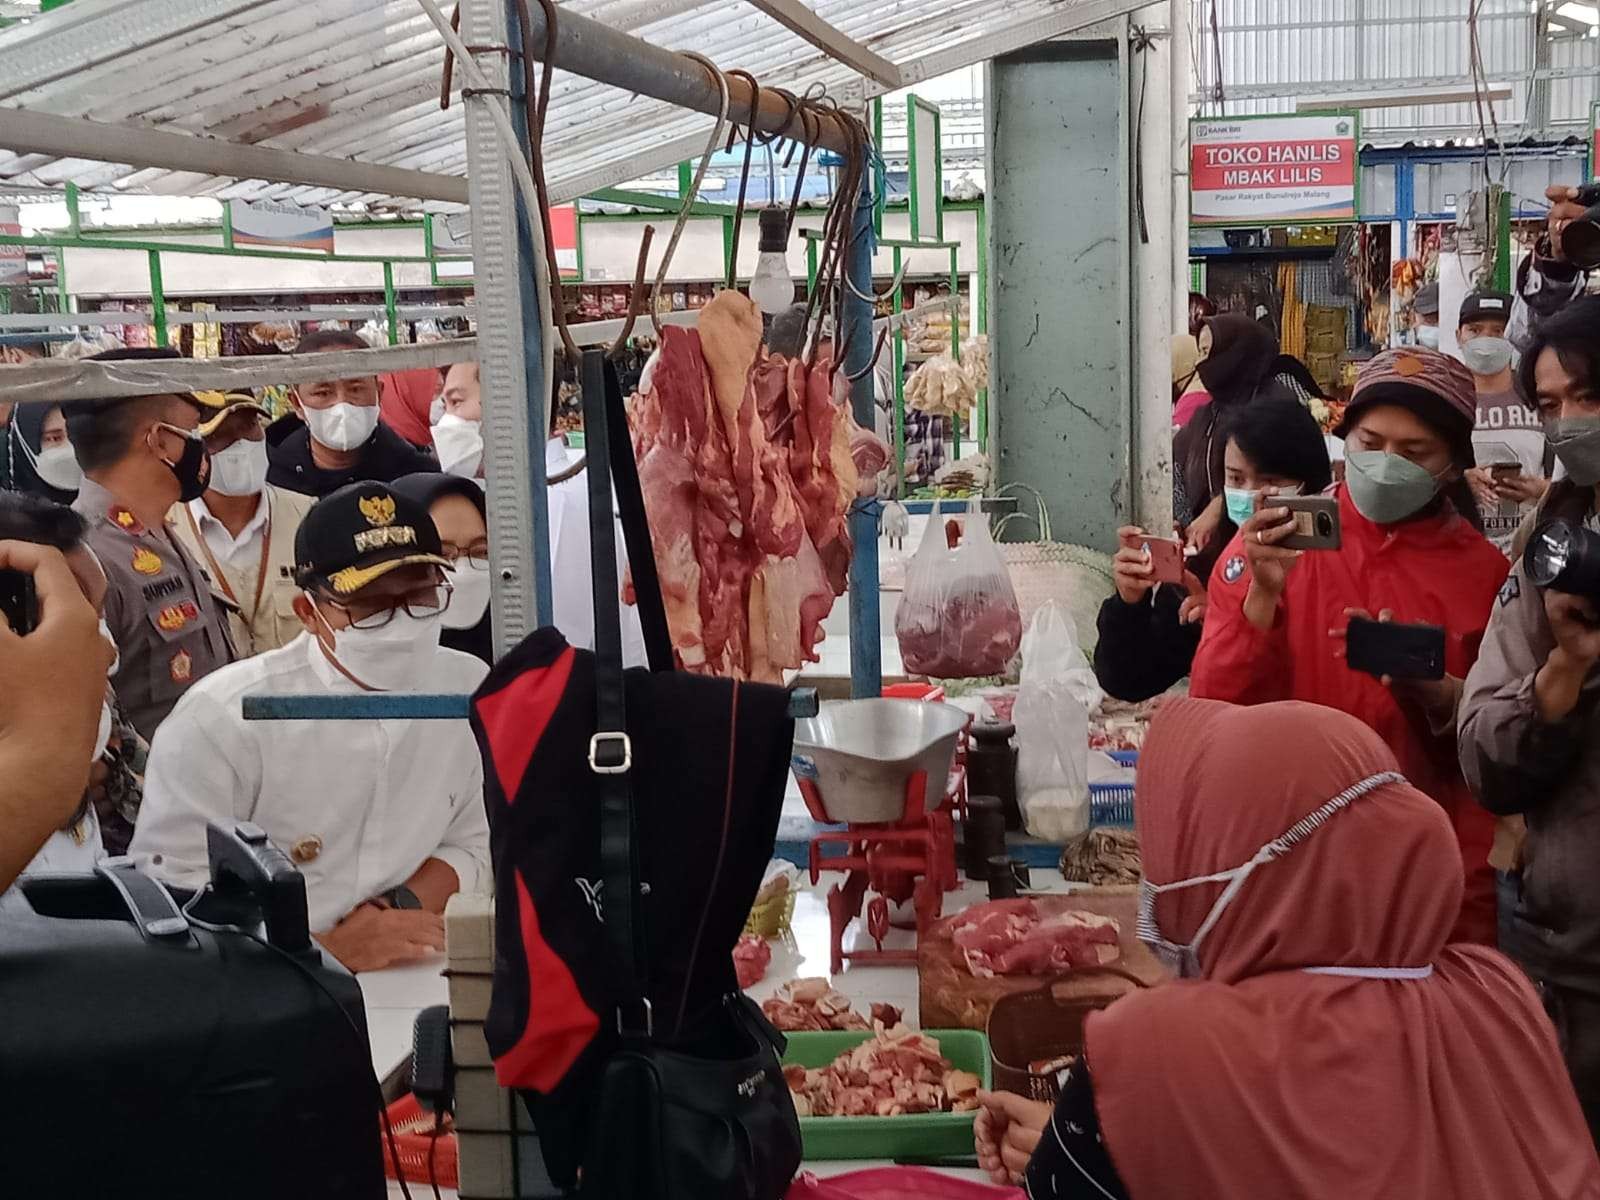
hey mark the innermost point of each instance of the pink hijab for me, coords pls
(1258, 1079)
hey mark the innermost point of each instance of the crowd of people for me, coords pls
(1447, 467)
(1375, 891)
(197, 551)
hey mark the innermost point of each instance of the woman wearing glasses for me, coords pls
(459, 514)
(384, 818)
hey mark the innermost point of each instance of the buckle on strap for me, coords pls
(649, 1027)
(620, 760)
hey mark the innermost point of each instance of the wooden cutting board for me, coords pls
(951, 997)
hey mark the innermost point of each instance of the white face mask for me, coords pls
(1185, 959)
(459, 443)
(1428, 337)
(58, 466)
(343, 426)
(241, 469)
(471, 597)
(399, 657)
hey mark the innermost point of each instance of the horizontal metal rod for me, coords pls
(224, 316)
(24, 131)
(588, 48)
(400, 706)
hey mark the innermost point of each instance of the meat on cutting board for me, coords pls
(1012, 937)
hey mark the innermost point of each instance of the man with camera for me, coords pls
(1528, 716)
(1555, 273)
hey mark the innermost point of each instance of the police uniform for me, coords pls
(168, 625)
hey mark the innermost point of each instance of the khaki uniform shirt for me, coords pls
(168, 627)
(261, 616)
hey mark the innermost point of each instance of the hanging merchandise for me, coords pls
(1057, 691)
(940, 386)
(746, 460)
(958, 617)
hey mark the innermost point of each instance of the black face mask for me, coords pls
(193, 467)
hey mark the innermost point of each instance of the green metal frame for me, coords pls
(914, 103)
(77, 239)
(1355, 217)
(980, 308)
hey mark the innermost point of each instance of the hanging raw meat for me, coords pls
(746, 463)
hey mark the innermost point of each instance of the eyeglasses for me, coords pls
(476, 555)
(419, 604)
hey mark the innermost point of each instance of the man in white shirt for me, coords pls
(385, 819)
(243, 528)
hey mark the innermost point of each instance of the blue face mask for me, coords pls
(1241, 502)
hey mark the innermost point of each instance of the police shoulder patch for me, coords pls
(1510, 590)
(1233, 569)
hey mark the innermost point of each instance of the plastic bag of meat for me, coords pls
(958, 617)
(1052, 720)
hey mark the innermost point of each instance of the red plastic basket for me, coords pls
(413, 1140)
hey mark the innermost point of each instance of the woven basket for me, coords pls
(1075, 577)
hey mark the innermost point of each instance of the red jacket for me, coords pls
(1437, 571)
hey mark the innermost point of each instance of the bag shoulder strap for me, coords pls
(610, 749)
(636, 528)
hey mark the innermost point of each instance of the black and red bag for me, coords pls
(632, 815)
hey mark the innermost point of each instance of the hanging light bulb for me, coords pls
(772, 287)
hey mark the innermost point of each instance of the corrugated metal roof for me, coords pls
(360, 79)
(1272, 52)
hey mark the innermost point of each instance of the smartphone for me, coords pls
(18, 601)
(1316, 521)
(1166, 555)
(1400, 651)
(1504, 470)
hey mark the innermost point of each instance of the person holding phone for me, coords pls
(1149, 629)
(1412, 552)
(51, 708)
(1513, 461)
(1530, 719)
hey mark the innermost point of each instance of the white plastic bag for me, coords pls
(958, 617)
(1057, 693)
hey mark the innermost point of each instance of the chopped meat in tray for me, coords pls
(896, 1072)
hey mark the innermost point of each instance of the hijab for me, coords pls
(1258, 1079)
(426, 487)
(1237, 370)
(1243, 352)
(27, 425)
(1185, 360)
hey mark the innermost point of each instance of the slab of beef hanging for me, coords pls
(748, 463)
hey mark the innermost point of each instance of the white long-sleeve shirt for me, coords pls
(359, 805)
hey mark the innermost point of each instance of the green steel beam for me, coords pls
(896, 308)
(980, 304)
(158, 299)
(653, 203)
(391, 317)
(98, 243)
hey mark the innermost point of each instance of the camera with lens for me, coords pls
(1564, 557)
(1580, 240)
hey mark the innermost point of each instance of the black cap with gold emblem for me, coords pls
(360, 533)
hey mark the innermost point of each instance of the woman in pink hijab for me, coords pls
(1323, 1041)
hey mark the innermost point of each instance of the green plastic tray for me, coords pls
(925, 1135)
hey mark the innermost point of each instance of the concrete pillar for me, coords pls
(1181, 83)
(1059, 175)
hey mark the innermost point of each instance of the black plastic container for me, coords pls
(983, 835)
(992, 767)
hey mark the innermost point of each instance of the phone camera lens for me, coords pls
(1324, 525)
